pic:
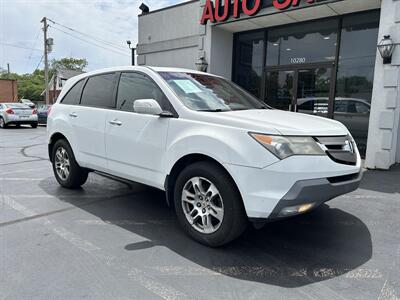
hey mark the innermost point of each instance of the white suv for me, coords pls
(222, 156)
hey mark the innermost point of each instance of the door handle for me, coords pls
(73, 115)
(115, 123)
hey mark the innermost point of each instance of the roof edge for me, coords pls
(167, 7)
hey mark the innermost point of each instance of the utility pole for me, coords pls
(46, 62)
(8, 70)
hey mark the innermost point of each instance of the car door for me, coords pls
(98, 96)
(135, 143)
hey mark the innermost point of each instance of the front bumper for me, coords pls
(293, 181)
(315, 192)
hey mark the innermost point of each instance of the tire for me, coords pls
(62, 157)
(2, 123)
(234, 219)
(34, 125)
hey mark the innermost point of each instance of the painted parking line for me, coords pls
(137, 275)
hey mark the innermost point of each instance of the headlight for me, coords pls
(285, 146)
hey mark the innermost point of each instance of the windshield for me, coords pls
(209, 93)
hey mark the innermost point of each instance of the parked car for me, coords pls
(28, 102)
(352, 112)
(17, 114)
(43, 112)
(223, 157)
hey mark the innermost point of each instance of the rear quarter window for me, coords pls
(73, 95)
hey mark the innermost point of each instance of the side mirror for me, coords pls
(147, 107)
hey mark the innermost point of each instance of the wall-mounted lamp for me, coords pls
(202, 64)
(386, 48)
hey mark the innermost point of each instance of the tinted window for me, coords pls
(134, 86)
(296, 44)
(249, 60)
(73, 95)
(98, 91)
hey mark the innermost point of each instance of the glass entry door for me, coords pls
(302, 89)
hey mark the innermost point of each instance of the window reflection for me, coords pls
(299, 44)
(355, 75)
(249, 61)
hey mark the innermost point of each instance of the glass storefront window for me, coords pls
(300, 44)
(355, 75)
(249, 61)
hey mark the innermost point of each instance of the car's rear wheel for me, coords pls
(208, 204)
(34, 125)
(2, 123)
(66, 170)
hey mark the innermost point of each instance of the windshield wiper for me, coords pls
(213, 110)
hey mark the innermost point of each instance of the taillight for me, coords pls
(9, 111)
(34, 112)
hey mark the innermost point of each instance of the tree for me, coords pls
(30, 86)
(68, 63)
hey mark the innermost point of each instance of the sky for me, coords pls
(113, 21)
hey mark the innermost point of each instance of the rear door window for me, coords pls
(74, 94)
(99, 91)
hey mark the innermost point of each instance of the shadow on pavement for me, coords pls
(323, 244)
(382, 181)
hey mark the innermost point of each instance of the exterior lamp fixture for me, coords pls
(133, 51)
(202, 64)
(386, 48)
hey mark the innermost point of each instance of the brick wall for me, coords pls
(8, 90)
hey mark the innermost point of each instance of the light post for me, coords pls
(133, 51)
(202, 64)
(386, 48)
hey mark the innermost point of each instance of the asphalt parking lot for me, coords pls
(119, 240)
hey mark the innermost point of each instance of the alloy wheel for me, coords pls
(202, 205)
(62, 163)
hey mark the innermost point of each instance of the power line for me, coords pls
(110, 44)
(34, 44)
(21, 47)
(89, 42)
(37, 67)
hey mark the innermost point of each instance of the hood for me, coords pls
(280, 122)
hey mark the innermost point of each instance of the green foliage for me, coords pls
(30, 86)
(68, 63)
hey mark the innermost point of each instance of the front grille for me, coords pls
(340, 149)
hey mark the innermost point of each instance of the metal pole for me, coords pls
(8, 70)
(54, 87)
(46, 62)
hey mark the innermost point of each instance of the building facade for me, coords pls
(57, 82)
(8, 90)
(308, 56)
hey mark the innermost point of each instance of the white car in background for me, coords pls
(17, 114)
(222, 156)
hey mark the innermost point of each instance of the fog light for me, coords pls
(294, 210)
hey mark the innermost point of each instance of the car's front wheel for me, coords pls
(66, 170)
(208, 204)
